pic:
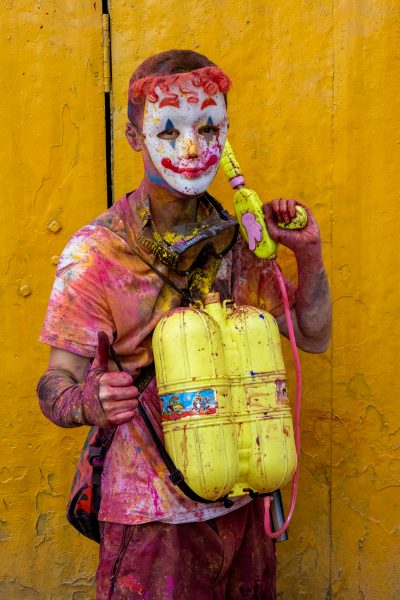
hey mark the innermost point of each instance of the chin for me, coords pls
(192, 187)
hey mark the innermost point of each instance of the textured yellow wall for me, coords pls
(365, 266)
(52, 170)
(314, 115)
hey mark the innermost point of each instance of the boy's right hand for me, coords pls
(118, 397)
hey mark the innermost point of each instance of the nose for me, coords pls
(191, 149)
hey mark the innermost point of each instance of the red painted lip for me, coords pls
(189, 172)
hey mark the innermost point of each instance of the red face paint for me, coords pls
(190, 172)
(171, 100)
(208, 102)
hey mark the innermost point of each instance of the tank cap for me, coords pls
(212, 298)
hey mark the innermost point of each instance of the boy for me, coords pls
(115, 280)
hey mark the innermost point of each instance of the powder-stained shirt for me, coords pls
(102, 284)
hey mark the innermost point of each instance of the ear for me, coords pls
(133, 137)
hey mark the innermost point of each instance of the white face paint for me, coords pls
(185, 138)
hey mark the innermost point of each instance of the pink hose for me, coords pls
(267, 499)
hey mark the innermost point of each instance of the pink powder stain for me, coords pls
(129, 583)
(155, 497)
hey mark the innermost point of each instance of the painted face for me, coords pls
(185, 133)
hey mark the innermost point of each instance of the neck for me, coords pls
(168, 209)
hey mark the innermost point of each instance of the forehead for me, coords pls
(187, 102)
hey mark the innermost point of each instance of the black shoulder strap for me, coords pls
(101, 442)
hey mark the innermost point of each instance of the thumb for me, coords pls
(102, 353)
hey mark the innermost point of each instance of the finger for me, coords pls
(121, 418)
(117, 394)
(112, 408)
(291, 209)
(270, 220)
(278, 206)
(102, 353)
(274, 204)
(116, 379)
(284, 216)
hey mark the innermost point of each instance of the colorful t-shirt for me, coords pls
(102, 284)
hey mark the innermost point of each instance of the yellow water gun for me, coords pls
(248, 209)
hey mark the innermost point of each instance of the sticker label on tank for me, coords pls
(281, 392)
(189, 404)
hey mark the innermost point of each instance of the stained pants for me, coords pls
(229, 557)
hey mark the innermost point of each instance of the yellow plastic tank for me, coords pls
(260, 405)
(225, 411)
(194, 389)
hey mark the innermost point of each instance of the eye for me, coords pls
(168, 134)
(209, 131)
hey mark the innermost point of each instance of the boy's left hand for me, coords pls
(303, 240)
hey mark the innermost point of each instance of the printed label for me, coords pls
(281, 392)
(188, 404)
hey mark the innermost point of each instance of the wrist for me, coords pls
(92, 408)
(309, 255)
(68, 403)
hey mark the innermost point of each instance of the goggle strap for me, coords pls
(183, 292)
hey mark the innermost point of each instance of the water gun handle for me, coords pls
(248, 210)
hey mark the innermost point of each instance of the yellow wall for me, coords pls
(314, 115)
(52, 169)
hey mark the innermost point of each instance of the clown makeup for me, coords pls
(185, 132)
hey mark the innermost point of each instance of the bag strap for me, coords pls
(175, 474)
(104, 438)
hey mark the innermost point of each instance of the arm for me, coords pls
(312, 311)
(69, 398)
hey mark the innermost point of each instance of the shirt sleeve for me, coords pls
(77, 308)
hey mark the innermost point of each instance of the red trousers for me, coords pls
(229, 557)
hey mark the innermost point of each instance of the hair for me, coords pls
(160, 69)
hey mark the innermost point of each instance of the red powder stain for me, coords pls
(286, 430)
(257, 441)
(208, 102)
(128, 582)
